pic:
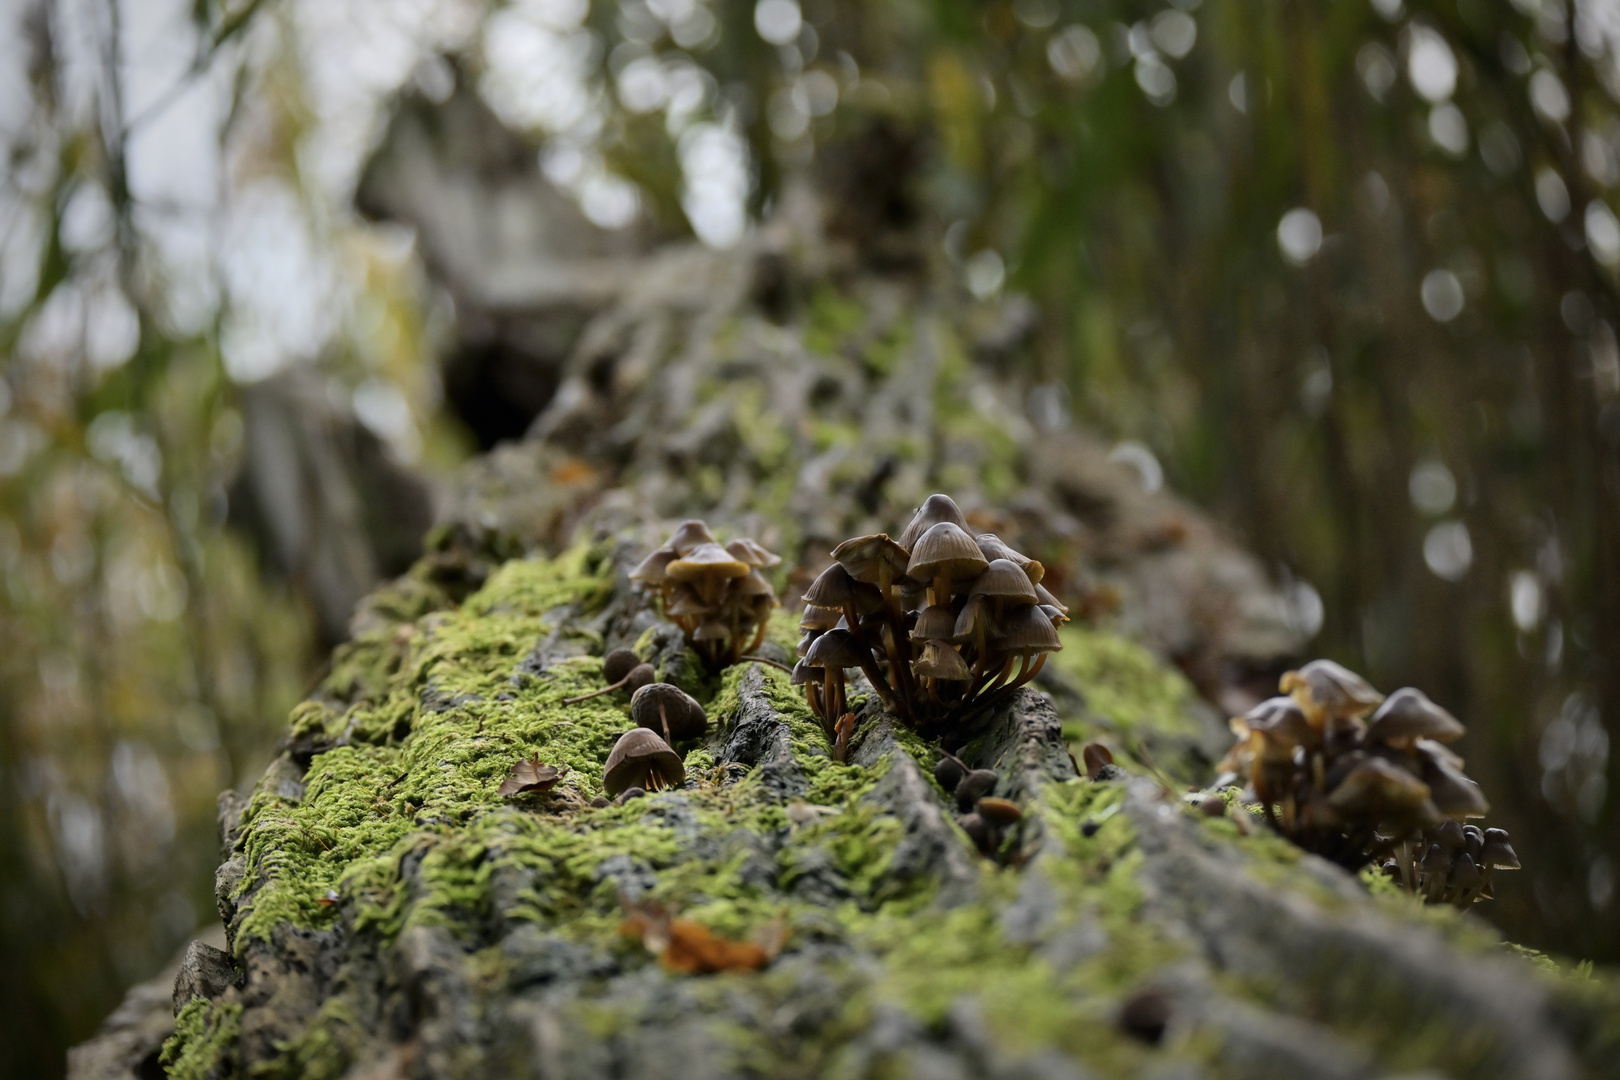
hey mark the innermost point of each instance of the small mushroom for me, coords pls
(818, 618)
(993, 548)
(939, 660)
(632, 680)
(875, 560)
(1466, 880)
(746, 550)
(1330, 693)
(1453, 793)
(619, 663)
(640, 759)
(1146, 1015)
(934, 510)
(1003, 582)
(949, 773)
(1377, 788)
(1436, 867)
(1496, 852)
(943, 554)
(998, 812)
(668, 709)
(977, 829)
(689, 535)
(653, 569)
(1044, 596)
(937, 621)
(974, 786)
(1095, 756)
(1408, 715)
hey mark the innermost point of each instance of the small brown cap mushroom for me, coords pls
(641, 759)
(639, 676)
(1449, 834)
(1026, 629)
(1455, 794)
(1497, 852)
(685, 601)
(1437, 860)
(872, 559)
(1043, 595)
(1003, 580)
(935, 509)
(1409, 714)
(949, 773)
(945, 550)
(967, 621)
(684, 715)
(803, 672)
(707, 562)
(937, 622)
(653, 569)
(1377, 787)
(835, 648)
(994, 548)
(746, 550)
(977, 829)
(619, 663)
(975, 785)
(1094, 757)
(687, 536)
(1331, 690)
(833, 588)
(750, 585)
(1464, 872)
(940, 661)
(819, 618)
(998, 811)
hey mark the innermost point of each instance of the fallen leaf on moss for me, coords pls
(529, 775)
(689, 948)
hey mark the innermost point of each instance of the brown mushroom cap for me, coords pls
(641, 759)
(685, 601)
(1497, 852)
(1026, 629)
(1449, 834)
(711, 630)
(653, 569)
(1465, 872)
(1003, 580)
(1377, 787)
(835, 648)
(940, 661)
(687, 536)
(868, 557)
(1280, 721)
(819, 618)
(751, 585)
(937, 621)
(1455, 794)
(995, 548)
(972, 614)
(998, 811)
(945, 550)
(833, 588)
(1409, 714)
(619, 663)
(1332, 688)
(707, 562)
(802, 673)
(746, 550)
(935, 509)
(639, 676)
(686, 717)
(1043, 595)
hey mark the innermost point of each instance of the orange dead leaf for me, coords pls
(572, 471)
(691, 948)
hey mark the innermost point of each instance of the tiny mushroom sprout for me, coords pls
(944, 625)
(640, 759)
(1356, 777)
(715, 594)
(623, 670)
(669, 710)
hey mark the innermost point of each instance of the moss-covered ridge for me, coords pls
(378, 837)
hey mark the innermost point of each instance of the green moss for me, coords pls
(1128, 689)
(204, 1039)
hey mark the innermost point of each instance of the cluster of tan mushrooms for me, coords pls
(943, 624)
(715, 594)
(985, 818)
(1354, 776)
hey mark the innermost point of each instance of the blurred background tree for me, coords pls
(1344, 274)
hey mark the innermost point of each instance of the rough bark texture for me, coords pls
(387, 914)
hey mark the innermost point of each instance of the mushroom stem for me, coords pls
(663, 718)
(1403, 859)
(812, 694)
(875, 677)
(596, 693)
(759, 639)
(750, 657)
(1029, 671)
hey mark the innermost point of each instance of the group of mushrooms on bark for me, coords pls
(943, 624)
(946, 625)
(1357, 777)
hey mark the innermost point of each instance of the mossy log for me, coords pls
(389, 914)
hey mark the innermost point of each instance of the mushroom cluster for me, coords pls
(715, 594)
(1354, 776)
(942, 623)
(985, 818)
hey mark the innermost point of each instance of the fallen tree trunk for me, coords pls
(387, 913)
